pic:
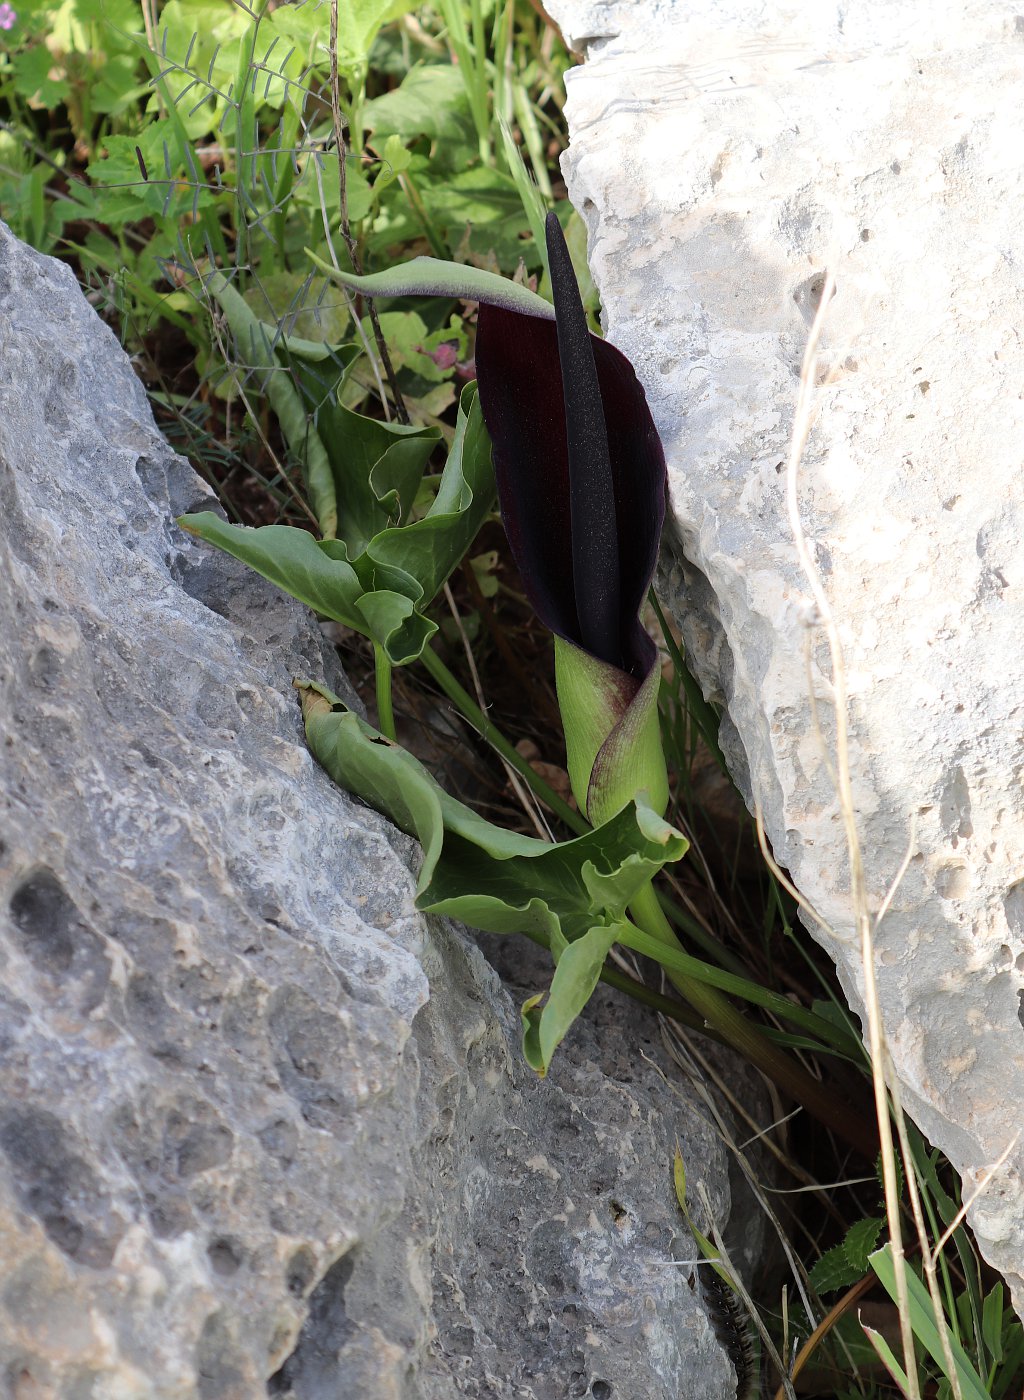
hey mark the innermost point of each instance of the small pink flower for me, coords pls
(8, 15)
(445, 355)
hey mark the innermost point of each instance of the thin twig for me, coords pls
(858, 889)
(530, 808)
(346, 228)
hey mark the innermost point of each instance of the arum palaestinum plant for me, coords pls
(581, 483)
(580, 478)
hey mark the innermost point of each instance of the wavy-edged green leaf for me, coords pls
(429, 101)
(384, 590)
(433, 277)
(290, 558)
(571, 896)
(577, 973)
(430, 548)
(377, 470)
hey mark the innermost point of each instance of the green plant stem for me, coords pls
(748, 1040)
(668, 1006)
(461, 699)
(678, 916)
(382, 677)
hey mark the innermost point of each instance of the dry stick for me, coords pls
(851, 1296)
(530, 808)
(300, 500)
(739, 1288)
(677, 1047)
(350, 297)
(858, 890)
(346, 227)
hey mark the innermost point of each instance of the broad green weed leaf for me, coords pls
(406, 335)
(358, 24)
(393, 161)
(308, 310)
(488, 202)
(358, 191)
(119, 170)
(430, 101)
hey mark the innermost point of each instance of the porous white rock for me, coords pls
(723, 154)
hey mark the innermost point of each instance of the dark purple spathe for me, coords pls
(609, 486)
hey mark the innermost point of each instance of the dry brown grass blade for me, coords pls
(846, 1302)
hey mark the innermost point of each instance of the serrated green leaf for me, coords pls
(861, 1238)
(38, 79)
(834, 1270)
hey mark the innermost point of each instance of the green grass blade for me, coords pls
(926, 1327)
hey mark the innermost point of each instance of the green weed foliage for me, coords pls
(151, 144)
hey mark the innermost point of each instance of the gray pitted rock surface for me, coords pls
(262, 1130)
(723, 154)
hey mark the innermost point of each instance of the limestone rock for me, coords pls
(722, 155)
(262, 1130)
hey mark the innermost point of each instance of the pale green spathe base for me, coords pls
(612, 733)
